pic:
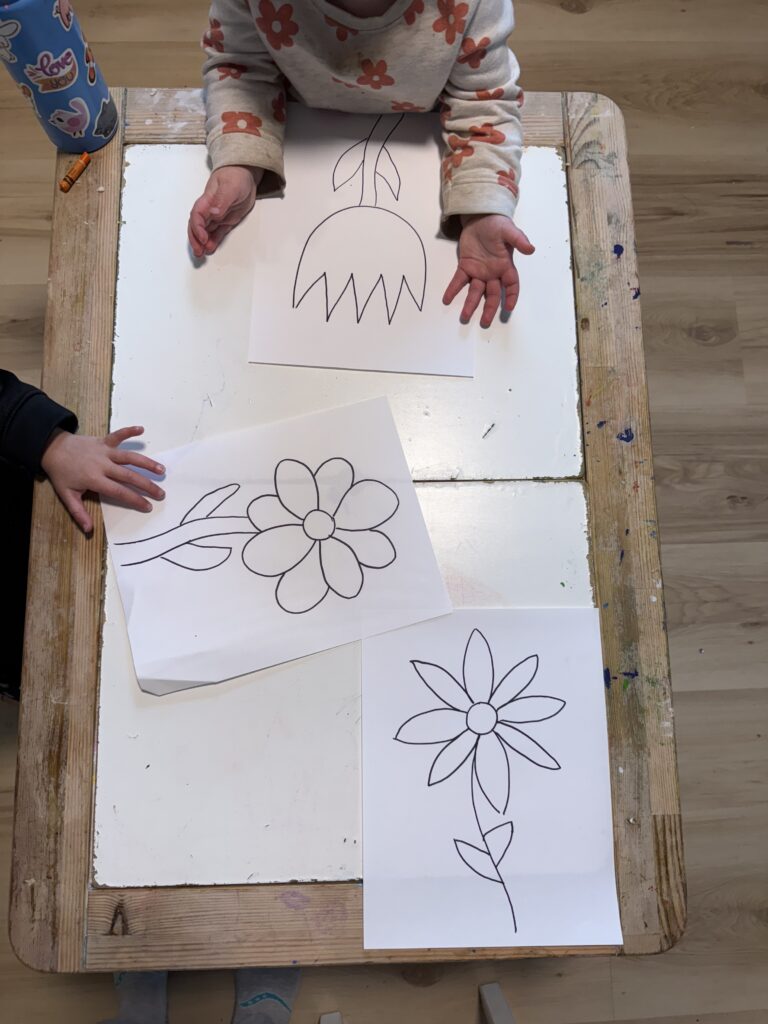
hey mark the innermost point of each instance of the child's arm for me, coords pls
(38, 434)
(245, 107)
(481, 167)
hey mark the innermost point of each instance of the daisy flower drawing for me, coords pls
(481, 723)
(316, 533)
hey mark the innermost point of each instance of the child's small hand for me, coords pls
(486, 264)
(228, 197)
(75, 464)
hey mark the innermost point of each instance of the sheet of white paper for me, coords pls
(274, 542)
(511, 842)
(355, 268)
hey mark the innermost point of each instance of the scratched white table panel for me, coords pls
(258, 779)
(182, 331)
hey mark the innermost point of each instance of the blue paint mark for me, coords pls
(601, 423)
(607, 678)
(621, 556)
(629, 675)
(652, 534)
(605, 605)
(635, 293)
(618, 251)
(266, 995)
(627, 435)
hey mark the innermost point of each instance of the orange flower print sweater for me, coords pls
(418, 55)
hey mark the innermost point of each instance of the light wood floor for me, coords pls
(692, 79)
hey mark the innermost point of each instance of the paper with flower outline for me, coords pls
(464, 725)
(351, 232)
(296, 530)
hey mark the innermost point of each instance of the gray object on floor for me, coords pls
(265, 995)
(495, 1007)
(142, 997)
(331, 1018)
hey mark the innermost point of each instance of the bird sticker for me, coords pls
(72, 122)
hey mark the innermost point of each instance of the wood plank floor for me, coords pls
(692, 79)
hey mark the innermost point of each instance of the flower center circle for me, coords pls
(277, 26)
(482, 718)
(318, 525)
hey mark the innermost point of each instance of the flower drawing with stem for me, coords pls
(317, 532)
(479, 724)
(364, 247)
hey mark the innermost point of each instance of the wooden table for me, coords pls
(60, 919)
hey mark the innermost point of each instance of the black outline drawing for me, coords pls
(371, 160)
(462, 699)
(188, 545)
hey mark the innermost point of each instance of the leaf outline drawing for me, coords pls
(364, 247)
(316, 533)
(469, 727)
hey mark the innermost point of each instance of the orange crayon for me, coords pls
(74, 172)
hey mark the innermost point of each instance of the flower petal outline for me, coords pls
(303, 587)
(333, 478)
(373, 549)
(535, 708)
(443, 685)
(268, 511)
(295, 487)
(341, 569)
(526, 746)
(277, 550)
(366, 505)
(492, 771)
(439, 725)
(477, 668)
(452, 757)
(519, 678)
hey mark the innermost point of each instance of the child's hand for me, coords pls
(228, 197)
(75, 464)
(486, 250)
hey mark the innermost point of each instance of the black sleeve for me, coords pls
(27, 419)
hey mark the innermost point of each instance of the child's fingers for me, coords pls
(73, 503)
(137, 481)
(472, 301)
(492, 300)
(199, 217)
(195, 245)
(457, 282)
(217, 237)
(122, 434)
(511, 283)
(128, 458)
(123, 495)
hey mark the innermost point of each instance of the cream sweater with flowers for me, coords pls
(418, 54)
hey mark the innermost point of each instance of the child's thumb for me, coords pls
(520, 241)
(73, 503)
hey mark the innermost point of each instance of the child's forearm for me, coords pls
(482, 125)
(244, 94)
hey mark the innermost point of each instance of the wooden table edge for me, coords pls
(58, 920)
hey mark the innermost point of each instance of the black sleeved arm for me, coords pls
(28, 417)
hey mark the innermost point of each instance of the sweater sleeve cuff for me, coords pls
(244, 150)
(470, 197)
(33, 423)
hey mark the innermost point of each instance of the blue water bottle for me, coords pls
(42, 45)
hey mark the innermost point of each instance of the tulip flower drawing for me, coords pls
(365, 247)
(316, 533)
(479, 724)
